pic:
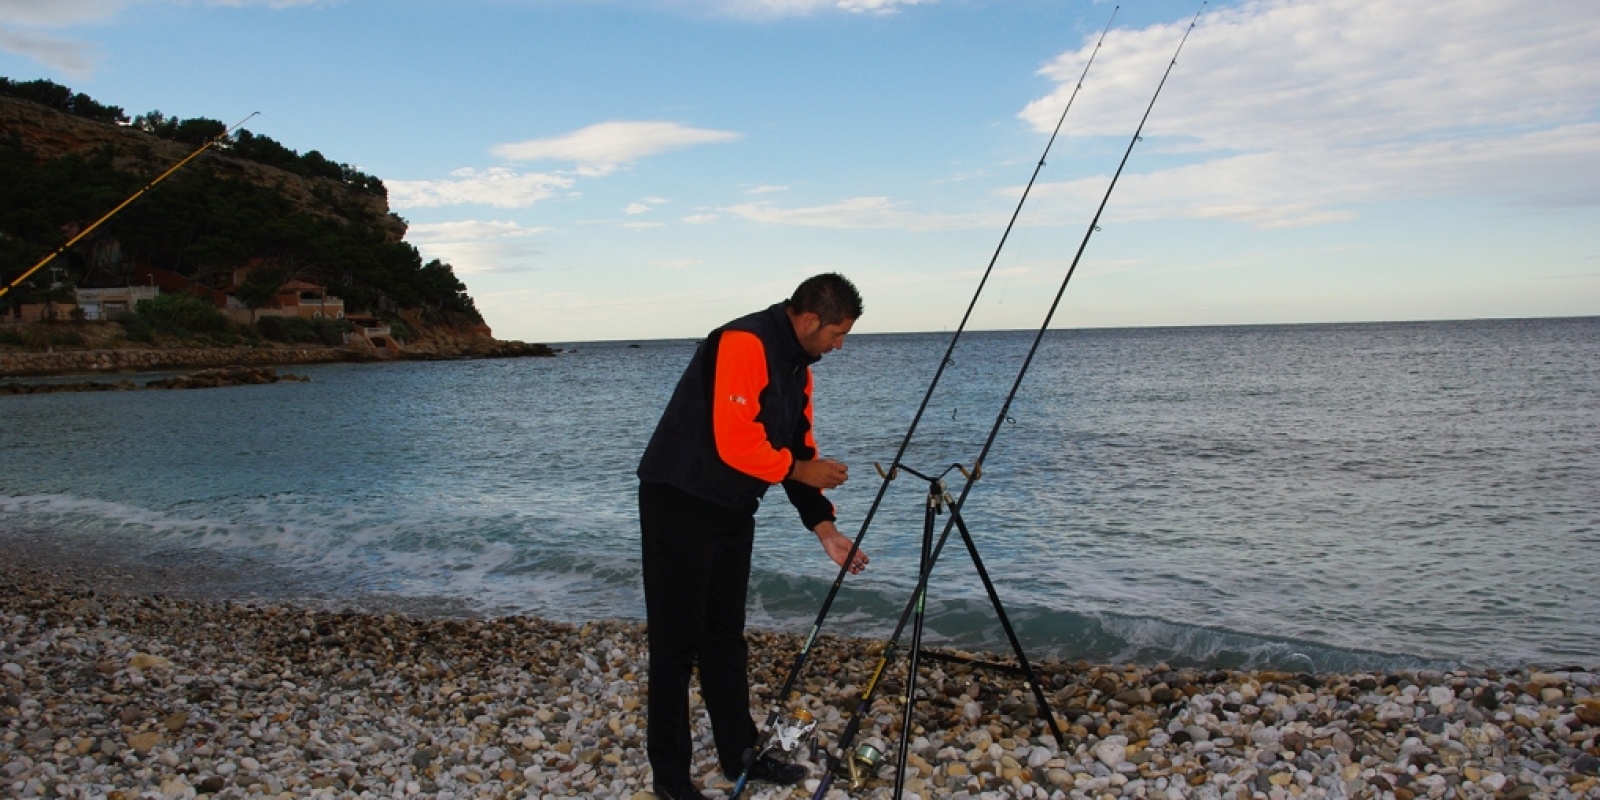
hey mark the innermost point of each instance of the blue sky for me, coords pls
(620, 170)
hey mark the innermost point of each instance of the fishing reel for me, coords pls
(797, 730)
(861, 766)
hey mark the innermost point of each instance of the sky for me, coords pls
(603, 170)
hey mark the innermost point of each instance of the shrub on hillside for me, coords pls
(136, 329)
(299, 330)
(182, 314)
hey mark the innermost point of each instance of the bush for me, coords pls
(137, 329)
(332, 331)
(295, 330)
(182, 314)
(285, 329)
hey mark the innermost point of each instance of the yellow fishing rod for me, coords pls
(109, 214)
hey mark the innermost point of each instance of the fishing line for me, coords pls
(918, 595)
(883, 488)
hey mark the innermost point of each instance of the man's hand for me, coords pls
(821, 473)
(837, 546)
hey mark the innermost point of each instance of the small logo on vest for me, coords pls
(736, 398)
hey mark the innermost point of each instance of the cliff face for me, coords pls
(50, 134)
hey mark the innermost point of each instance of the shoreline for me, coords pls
(24, 364)
(113, 683)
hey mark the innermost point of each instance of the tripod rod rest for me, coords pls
(894, 471)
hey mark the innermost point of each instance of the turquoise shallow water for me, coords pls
(1328, 497)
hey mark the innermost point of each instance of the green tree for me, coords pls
(259, 290)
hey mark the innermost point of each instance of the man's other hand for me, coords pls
(820, 473)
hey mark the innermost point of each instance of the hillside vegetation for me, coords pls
(66, 159)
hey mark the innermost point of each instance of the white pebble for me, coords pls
(1112, 750)
(1038, 757)
(1441, 696)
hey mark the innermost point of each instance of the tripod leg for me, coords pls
(850, 729)
(1011, 634)
(925, 568)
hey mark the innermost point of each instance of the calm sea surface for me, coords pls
(1327, 497)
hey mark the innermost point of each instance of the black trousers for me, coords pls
(696, 574)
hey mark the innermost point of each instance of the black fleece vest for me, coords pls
(683, 451)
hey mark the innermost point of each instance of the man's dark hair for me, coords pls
(831, 296)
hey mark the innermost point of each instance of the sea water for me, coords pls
(1309, 497)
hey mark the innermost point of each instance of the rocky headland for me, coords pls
(302, 223)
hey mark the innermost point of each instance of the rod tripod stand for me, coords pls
(938, 501)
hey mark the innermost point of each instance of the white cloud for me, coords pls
(20, 19)
(700, 219)
(476, 247)
(1284, 114)
(64, 13)
(1290, 113)
(496, 186)
(269, 3)
(57, 13)
(1285, 188)
(858, 212)
(607, 146)
(798, 8)
(643, 206)
(469, 230)
(75, 59)
(766, 189)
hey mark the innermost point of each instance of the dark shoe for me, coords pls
(684, 792)
(767, 769)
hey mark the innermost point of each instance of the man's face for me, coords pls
(818, 339)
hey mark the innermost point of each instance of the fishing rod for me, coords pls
(135, 196)
(955, 521)
(855, 546)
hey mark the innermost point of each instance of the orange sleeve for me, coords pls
(741, 374)
(811, 424)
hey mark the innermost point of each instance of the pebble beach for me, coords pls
(114, 684)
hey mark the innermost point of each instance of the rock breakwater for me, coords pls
(138, 359)
(116, 694)
(116, 360)
(204, 379)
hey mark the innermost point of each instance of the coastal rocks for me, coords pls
(434, 342)
(225, 376)
(138, 696)
(437, 347)
(204, 379)
(133, 360)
